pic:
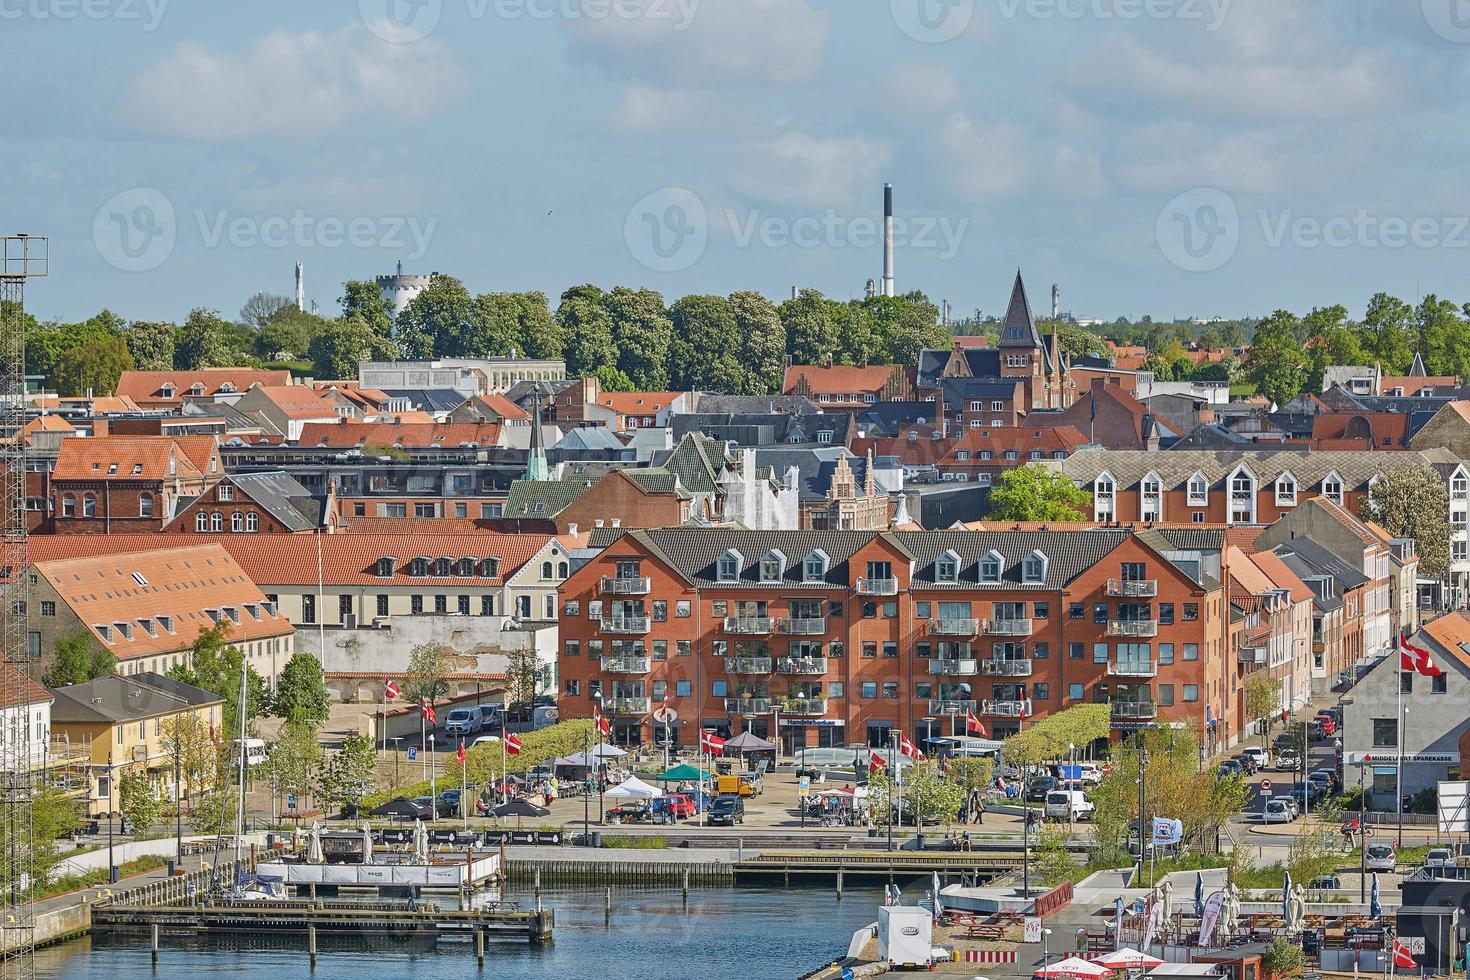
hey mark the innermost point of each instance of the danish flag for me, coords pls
(427, 710)
(390, 690)
(603, 728)
(1401, 955)
(459, 756)
(512, 744)
(972, 725)
(711, 743)
(909, 748)
(1416, 658)
(876, 761)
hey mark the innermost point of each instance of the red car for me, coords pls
(681, 804)
(1326, 722)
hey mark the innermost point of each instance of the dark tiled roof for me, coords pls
(1175, 467)
(1324, 561)
(716, 404)
(282, 497)
(113, 698)
(1018, 318)
(543, 498)
(428, 399)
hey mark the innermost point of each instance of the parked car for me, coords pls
(1380, 857)
(428, 808)
(728, 810)
(1262, 756)
(905, 814)
(1438, 857)
(1229, 767)
(1064, 804)
(485, 740)
(1324, 883)
(1277, 811)
(1287, 761)
(1326, 722)
(1037, 789)
(682, 804)
(448, 804)
(465, 721)
(1247, 763)
(1293, 802)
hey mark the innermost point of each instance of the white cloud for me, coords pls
(648, 109)
(708, 42)
(918, 90)
(983, 161)
(808, 171)
(291, 86)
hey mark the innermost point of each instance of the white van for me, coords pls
(464, 721)
(255, 752)
(1063, 804)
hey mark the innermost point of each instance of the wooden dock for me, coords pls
(310, 918)
(887, 865)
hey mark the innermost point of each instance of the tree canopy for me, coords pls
(1036, 493)
(1412, 502)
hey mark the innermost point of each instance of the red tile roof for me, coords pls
(147, 386)
(637, 402)
(1413, 384)
(297, 402)
(131, 457)
(16, 688)
(1018, 438)
(110, 590)
(1386, 429)
(1283, 577)
(839, 379)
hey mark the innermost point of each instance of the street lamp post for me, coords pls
(396, 758)
(112, 795)
(1045, 947)
(178, 807)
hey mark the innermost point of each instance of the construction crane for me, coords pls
(22, 257)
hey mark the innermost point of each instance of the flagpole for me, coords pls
(423, 743)
(503, 734)
(1401, 722)
(464, 785)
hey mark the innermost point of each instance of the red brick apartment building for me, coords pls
(831, 638)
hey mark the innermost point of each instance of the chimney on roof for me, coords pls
(617, 522)
(572, 529)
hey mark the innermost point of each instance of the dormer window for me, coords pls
(442, 567)
(1104, 496)
(233, 613)
(1332, 488)
(489, 567)
(1033, 568)
(167, 391)
(1151, 498)
(814, 569)
(227, 388)
(990, 567)
(167, 622)
(148, 627)
(729, 565)
(1286, 490)
(465, 568)
(196, 389)
(126, 629)
(254, 611)
(947, 568)
(419, 567)
(1199, 491)
(104, 631)
(773, 566)
(384, 568)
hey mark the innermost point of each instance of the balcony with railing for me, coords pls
(748, 625)
(802, 627)
(954, 627)
(1002, 709)
(626, 665)
(626, 586)
(1252, 655)
(877, 586)
(630, 706)
(1133, 668)
(748, 706)
(1006, 668)
(747, 665)
(1133, 710)
(804, 706)
(1133, 627)
(1133, 588)
(625, 624)
(955, 667)
(949, 706)
(1007, 627)
(809, 666)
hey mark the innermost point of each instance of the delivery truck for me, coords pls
(905, 936)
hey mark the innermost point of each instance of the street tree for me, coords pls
(79, 658)
(811, 334)
(704, 353)
(301, 691)
(151, 344)
(926, 791)
(429, 666)
(762, 347)
(214, 665)
(363, 300)
(1035, 493)
(349, 775)
(294, 759)
(1262, 698)
(522, 675)
(205, 340)
(1410, 501)
(93, 367)
(437, 322)
(189, 738)
(1277, 364)
(339, 345)
(138, 801)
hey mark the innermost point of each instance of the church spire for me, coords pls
(1019, 327)
(536, 467)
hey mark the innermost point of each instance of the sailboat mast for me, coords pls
(240, 806)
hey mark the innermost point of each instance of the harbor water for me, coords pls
(653, 934)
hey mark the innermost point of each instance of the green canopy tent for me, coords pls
(683, 773)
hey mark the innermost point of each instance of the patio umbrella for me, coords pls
(1286, 897)
(519, 808)
(1375, 908)
(1076, 968)
(367, 844)
(400, 808)
(1127, 958)
(1199, 893)
(314, 845)
(682, 773)
(748, 742)
(606, 751)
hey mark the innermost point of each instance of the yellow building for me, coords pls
(126, 721)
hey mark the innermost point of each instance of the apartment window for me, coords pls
(890, 610)
(1040, 651)
(48, 608)
(683, 648)
(1099, 612)
(1041, 610)
(1199, 493)
(464, 606)
(683, 689)
(344, 607)
(1076, 692)
(922, 610)
(924, 690)
(835, 689)
(395, 510)
(1076, 650)
(573, 688)
(1286, 489)
(382, 605)
(890, 649)
(660, 649)
(1166, 614)
(890, 690)
(1166, 653)
(1438, 684)
(1190, 651)
(201, 522)
(835, 649)
(870, 610)
(1041, 692)
(145, 505)
(719, 689)
(1099, 653)
(487, 605)
(416, 604)
(225, 492)
(359, 510)
(660, 610)
(870, 651)
(868, 690)
(1076, 610)
(682, 608)
(1191, 612)
(1191, 693)
(1166, 695)
(1385, 733)
(1406, 681)
(441, 603)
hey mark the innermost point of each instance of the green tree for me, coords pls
(79, 658)
(704, 354)
(263, 308)
(494, 327)
(426, 679)
(858, 339)
(971, 773)
(54, 815)
(1330, 340)
(1054, 861)
(610, 378)
(811, 333)
(762, 342)
(926, 791)
(301, 691)
(214, 665)
(1262, 700)
(205, 340)
(1282, 958)
(438, 320)
(199, 751)
(588, 329)
(1388, 333)
(151, 344)
(522, 675)
(1444, 337)
(1036, 493)
(348, 775)
(366, 302)
(294, 759)
(335, 351)
(139, 803)
(1276, 364)
(214, 812)
(1412, 502)
(287, 336)
(642, 332)
(92, 367)
(1074, 340)
(541, 334)
(47, 342)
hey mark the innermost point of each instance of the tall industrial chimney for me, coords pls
(301, 287)
(888, 240)
(1056, 301)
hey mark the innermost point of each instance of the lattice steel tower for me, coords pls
(23, 750)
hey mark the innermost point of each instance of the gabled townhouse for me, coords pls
(982, 455)
(289, 409)
(170, 390)
(147, 606)
(254, 503)
(1337, 613)
(837, 637)
(1270, 630)
(110, 484)
(846, 387)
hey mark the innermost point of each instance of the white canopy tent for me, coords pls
(633, 788)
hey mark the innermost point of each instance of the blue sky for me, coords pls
(1170, 157)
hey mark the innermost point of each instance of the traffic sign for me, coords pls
(413, 753)
(1265, 784)
(290, 801)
